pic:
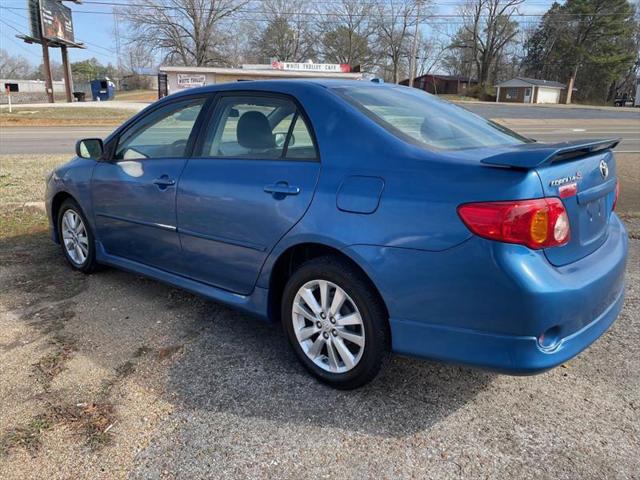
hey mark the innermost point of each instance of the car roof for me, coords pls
(281, 85)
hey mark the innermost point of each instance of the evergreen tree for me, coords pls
(589, 44)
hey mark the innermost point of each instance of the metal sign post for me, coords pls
(46, 65)
(8, 90)
(68, 80)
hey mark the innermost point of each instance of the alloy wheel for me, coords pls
(328, 326)
(75, 237)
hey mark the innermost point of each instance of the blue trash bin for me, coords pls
(102, 89)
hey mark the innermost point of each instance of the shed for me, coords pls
(530, 90)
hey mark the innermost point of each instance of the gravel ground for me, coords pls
(116, 376)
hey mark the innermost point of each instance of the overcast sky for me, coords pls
(94, 25)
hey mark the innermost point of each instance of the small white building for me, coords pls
(28, 91)
(530, 90)
(179, 78)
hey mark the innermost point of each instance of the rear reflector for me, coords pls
(536, 223)
(615, 199)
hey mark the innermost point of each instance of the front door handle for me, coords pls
(281, 189)
(164, 181)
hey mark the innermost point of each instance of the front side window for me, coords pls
(162, 134)
(259, 128)
(426, 120)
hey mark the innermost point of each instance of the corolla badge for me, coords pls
(604, 169)
(561, 181)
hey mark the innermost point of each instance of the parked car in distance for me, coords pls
(623, 100)
(366, 218)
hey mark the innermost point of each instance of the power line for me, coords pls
(330, 14)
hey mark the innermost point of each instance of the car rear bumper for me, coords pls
(498, 306)
(518, 355)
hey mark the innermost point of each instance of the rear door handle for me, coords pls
(164, 181)
(281, 188)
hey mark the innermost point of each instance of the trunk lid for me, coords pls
(589, 165)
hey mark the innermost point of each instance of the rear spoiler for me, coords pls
(533, 155)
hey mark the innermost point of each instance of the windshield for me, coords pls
(424, 119)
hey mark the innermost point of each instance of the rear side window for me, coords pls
(258, 127)
(161, 134)
(425, 120)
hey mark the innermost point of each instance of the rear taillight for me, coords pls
(536, 223)
(615, 199)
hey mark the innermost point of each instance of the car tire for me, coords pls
(76, 238)
(361, 319)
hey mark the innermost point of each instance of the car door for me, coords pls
(134, 193)
(252, 178)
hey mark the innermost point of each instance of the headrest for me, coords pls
(254, 132)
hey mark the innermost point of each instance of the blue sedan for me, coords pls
(366, 218)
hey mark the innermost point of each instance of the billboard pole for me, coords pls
(68, 81)
(47, 70)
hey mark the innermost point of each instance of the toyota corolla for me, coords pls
(366, 218)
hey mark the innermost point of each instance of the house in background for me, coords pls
(530, 90)
(442, 84)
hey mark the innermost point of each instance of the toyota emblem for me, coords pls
(604, 169)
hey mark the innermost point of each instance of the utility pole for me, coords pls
(116, 31)
(414, 47)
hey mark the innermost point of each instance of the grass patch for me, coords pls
(21, 221)
(93, 421)
(166, 353)
(70, 116)
(52, 364)
(126, 369)
(23, 177)
(141, 351)
(136, 96)
(28, 436)
(452, 97)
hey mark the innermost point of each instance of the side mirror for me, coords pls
(89, 148)
(279, 139)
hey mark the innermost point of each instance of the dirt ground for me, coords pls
(114, 375)
(136, 96)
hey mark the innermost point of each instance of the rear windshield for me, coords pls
(426, 120)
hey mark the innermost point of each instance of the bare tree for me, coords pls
(430, 52)
(346, 34)
(288, 34)
(187, 32)
(394, 19)
(487, 30)
(14, 66)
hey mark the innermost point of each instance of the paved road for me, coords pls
(551, 112)
(630, 134)
(575, 123)
(36, 140)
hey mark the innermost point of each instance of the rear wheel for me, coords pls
(335, 322)
(76, 238)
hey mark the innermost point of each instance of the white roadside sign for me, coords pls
(190, 80)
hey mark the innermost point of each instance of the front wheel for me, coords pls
(335, 322)
(76, 238)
